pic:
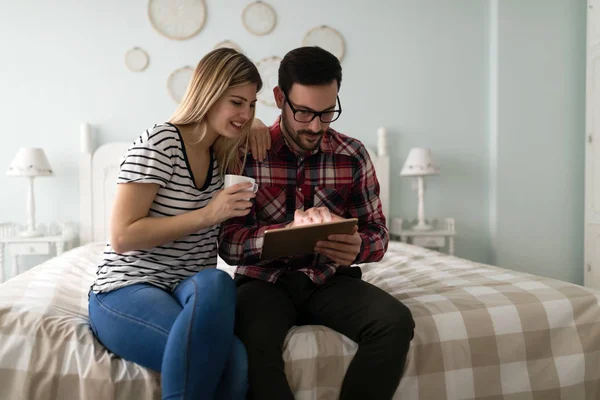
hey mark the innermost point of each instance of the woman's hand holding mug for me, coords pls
(234, 200)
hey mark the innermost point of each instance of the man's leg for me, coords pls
(264, 315)
(381, 325)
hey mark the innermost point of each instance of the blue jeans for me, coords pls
(186, 335)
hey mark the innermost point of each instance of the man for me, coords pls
(313, 174)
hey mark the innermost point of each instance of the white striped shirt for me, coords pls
(158, 156)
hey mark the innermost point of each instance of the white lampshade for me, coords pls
(29, 161)
(419, 163)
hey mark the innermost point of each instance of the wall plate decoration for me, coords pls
(177, 19)
(269, 72)
(228, 44)
(178, 82)
(136, 59)
(259, 18)
(326, 38)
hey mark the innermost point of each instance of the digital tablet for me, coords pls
(301, 240)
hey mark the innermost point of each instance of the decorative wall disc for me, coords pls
(228, 44)
(136, 59)
(178, 82)
(259, 18)
(326, 38)
(177, 19)
(269, 72)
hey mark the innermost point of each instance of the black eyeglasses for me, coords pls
(306, 116)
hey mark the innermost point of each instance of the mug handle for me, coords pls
(254, 187)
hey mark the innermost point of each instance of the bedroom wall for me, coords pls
(424, 69)
(539, 138)
(416, 67)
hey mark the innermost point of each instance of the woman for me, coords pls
(158, 299)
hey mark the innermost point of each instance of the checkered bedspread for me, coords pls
(481, 332)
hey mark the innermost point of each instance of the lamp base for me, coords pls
(29, 233)
(422, 226)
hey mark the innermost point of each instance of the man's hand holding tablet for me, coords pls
(315, 230)
(340, 248)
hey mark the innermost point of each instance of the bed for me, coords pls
(482, 332)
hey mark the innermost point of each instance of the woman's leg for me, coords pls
(234, 381)
(189, 345)
(201, 339)
(134, 322)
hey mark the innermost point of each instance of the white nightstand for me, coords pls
(49, 244)
(442, 234)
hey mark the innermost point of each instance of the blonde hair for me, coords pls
(218, 71)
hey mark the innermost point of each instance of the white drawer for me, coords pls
(29, 248)
(429, 241)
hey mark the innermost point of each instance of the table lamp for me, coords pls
(30, 162)
(419, 164)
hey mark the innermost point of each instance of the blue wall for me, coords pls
(495, 88)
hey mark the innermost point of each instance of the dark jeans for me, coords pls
(381, 325)
(187, 335)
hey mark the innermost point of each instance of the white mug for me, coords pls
(231, 180)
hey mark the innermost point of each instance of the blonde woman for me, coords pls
(158, 299)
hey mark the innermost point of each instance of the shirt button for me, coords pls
(300, 189)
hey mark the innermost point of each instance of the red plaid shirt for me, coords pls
(338, 175)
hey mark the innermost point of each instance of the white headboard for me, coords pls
(381, 160)
(98, 171)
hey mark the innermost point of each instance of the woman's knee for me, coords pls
(213, 288)
(212, 280)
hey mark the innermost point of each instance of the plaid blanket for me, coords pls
(481, 333)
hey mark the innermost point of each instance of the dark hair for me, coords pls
(309, 66)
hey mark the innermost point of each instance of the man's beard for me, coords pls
(296, 136)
